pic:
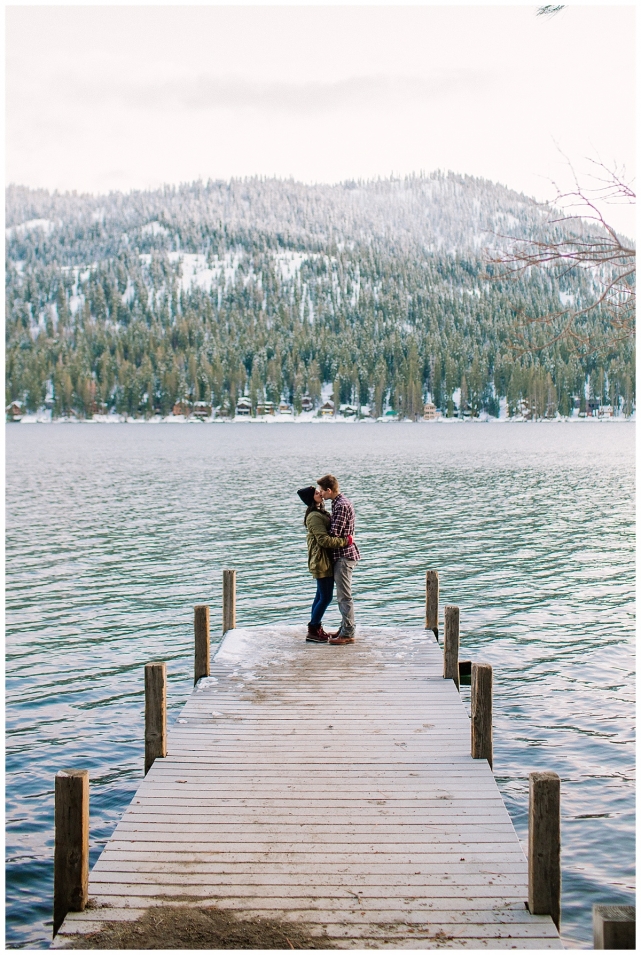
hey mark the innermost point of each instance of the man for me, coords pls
(345, 558)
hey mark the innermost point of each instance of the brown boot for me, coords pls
(315, 634)
(340, 638)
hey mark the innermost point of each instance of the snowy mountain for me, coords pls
(440, 213)
(382, 288)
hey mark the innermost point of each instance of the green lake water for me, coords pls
(114, 532)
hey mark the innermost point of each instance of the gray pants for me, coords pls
(343, 578)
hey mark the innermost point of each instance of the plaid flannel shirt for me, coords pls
(343, 521)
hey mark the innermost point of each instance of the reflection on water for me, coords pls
(114, 533)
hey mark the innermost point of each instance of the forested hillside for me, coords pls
(271, 288)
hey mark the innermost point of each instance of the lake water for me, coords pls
(115, 532)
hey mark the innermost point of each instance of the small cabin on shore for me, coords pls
(306, 403)
(15, 411)
(182, 407)
(243, 407)
(429, 411)
(202, 409)
(265, 407)
(327, 410)
(284, 408)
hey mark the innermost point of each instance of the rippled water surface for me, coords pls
(115, 532)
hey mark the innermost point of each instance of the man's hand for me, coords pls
(350, 540)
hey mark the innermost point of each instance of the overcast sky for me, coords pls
(122, 97)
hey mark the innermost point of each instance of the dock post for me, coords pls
(431, 602)
(481, 707)
(201, 642)
(155, 713)
(71, 844)
(544, 846)
(614, 926)
(450, 646)
(229, 600)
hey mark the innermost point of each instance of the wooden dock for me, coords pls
(331, 787)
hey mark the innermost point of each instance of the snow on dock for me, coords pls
(330, 787)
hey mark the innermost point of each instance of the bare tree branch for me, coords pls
(580, 242)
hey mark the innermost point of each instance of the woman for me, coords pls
(319, 560)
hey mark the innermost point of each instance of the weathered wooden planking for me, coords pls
(483, 870)
(331, 787)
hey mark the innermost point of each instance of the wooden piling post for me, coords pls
(201, 642)
(71, 844)
(544, 846)
(229, 600)
(431, 602)
(614, 926)
(451, 646)
(481, 707)
(155, 713)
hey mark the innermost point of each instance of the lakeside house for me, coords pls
(243, 407)
(182, 407)
(15, 411)
(201, 409)
(306, 403)
(348, 411)
(429, 411)
(327, 410)
(284, 408)
(265, 407)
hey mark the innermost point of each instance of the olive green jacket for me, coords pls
(319, 543)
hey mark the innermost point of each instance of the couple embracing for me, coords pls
(332, 556)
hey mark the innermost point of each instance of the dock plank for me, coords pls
(329, 787)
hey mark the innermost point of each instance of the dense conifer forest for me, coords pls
(271, 288)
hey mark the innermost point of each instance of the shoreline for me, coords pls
(43, 418)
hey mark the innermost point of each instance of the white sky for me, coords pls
(122, 97)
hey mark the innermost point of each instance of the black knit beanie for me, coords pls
(306, 494)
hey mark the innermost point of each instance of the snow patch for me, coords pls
(76, 302)
(327, 389)
(197, 272)
(130, 291)
(32, 225)
(289, 263)
(154, 228)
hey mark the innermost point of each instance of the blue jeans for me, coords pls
(322, 600)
